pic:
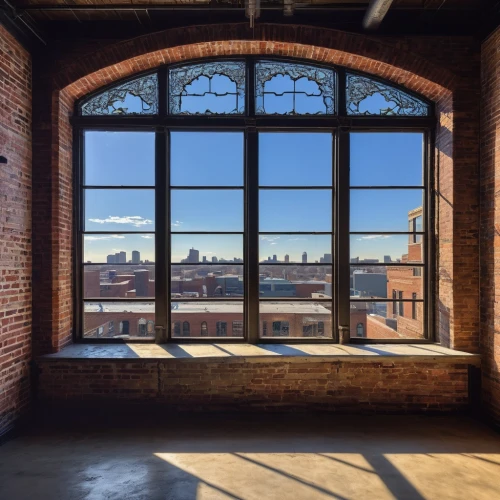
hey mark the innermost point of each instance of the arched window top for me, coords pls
(208, 88)
(254, 87)
(133, 97)
(288, 88)
(366, 96)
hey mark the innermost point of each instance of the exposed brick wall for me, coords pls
(446, 70)
(490, 224)
(194, 384)
(15, 229)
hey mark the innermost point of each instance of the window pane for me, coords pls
(366, 96)
(386, 248)
(207, 210)
(134, 97)
(295, 248)
(387, 159)
(295, 319)
(295, 159)
(119, 158)
(287, 88)
(295, 210)
(206, 319)
(381, 320)
(208, 88)
(217, 248)
(118, 319)
(383, 209)
(382, 282)
(298, 281)
(118, 248)
(212, 281)
(119, 210)
(206, 159)
(125, 281)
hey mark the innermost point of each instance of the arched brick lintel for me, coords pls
(351, 50)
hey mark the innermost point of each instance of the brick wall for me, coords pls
(446, 70)
(490, 224)
(15, 229)
(244, 384)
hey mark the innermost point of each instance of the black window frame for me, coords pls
(339, 125)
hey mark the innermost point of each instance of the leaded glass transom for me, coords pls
(214, 88)
(135, 97)
(366, 96)
(286, 88)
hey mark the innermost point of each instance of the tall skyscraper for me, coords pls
(304, 257)
(214, 260)
(275, 258)
(194, 256)
(327, 259)
(122, 257)
(136, 257)
(204, 258)
(287, 258)
(111, 259)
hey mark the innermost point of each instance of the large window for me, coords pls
(254, 200)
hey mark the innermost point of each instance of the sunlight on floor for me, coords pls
(258, 476)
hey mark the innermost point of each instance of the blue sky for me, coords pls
(216, 158)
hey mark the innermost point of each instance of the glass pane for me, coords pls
(208, 88)
(214, 248)
(206, 158)
(118, 319)
(387, 159)
(119, 248)
(135, 97)
(119, 210)
(207, 319)
(382, 282)
(295, 248)
(295, 319)
(386, 248)
(295, 159)
(295, 281)
(384, 209)
(370, 97)
(207, 210)
(295, 210)
(119, 158)
(287, 88)
(126, 281)
(382, 320)
(212, 281)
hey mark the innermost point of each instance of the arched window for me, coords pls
(204, 329)
(249, 237)
(360, 330)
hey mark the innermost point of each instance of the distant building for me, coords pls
(204, 258)
(194, 256)
(387, 259)
(327, 259)
(275, 258)
(370, 284)
(111, 259)
(287, 258)
(304, 258)
(122, 258)
(136, 257)
(214, 260)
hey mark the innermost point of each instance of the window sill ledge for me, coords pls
(259, 353)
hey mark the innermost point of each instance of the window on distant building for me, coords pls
(242, 156)
(414, 306)
(360, 330)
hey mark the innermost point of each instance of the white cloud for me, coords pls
(273, 243)
(297, 239)
(134, 220)
(373, 237)
(269, 238)
(107, 237)
(177, 223)
(147, 236)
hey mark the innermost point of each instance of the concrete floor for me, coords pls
(256, 457)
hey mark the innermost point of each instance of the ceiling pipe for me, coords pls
(376, 13)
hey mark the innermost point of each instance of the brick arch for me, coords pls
(351, 50)
(455, 159)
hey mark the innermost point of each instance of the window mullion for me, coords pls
(162, 239)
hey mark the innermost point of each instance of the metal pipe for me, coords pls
(376, 13)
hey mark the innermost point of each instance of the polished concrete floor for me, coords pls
(274, 456)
